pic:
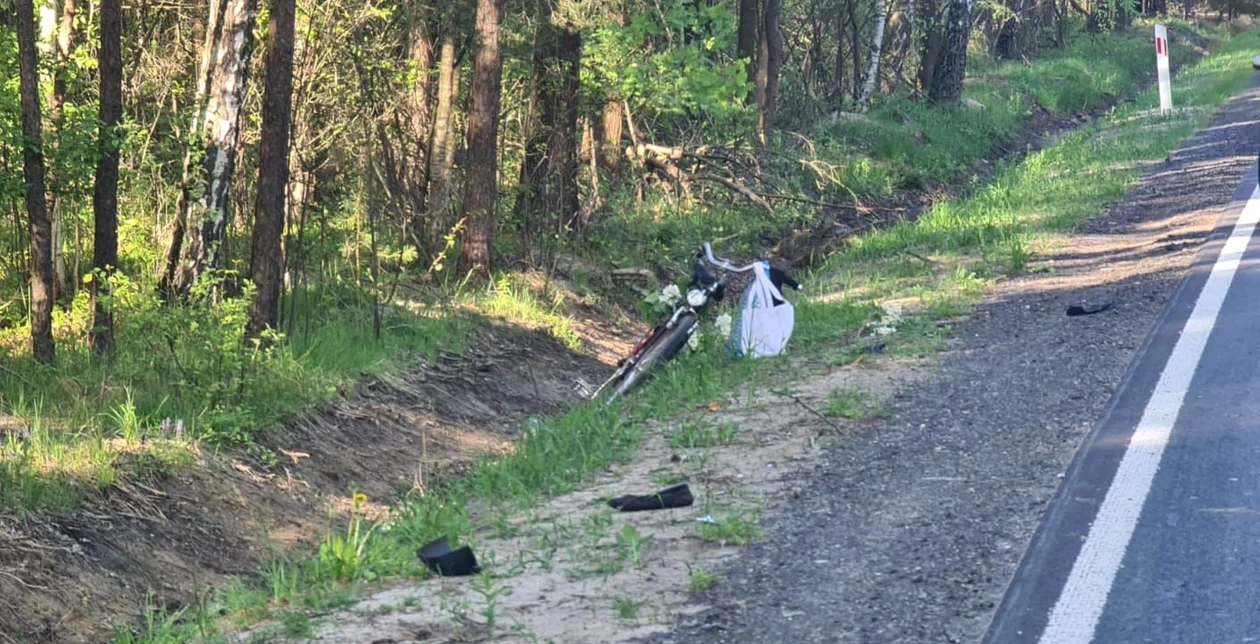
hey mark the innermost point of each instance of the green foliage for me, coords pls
(672, 62)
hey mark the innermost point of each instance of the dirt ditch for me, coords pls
(75, 577)
(575, 570)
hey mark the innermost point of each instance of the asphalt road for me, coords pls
(1153, 536)
(928, 527)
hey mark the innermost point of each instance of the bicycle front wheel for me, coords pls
(664, 348)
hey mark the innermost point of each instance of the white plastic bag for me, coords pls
(762, 328)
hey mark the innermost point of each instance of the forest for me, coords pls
(174, 181)
(219, 214)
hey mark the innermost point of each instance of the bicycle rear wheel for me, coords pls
(663, 348)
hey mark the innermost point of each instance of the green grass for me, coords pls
(697, 434)
(735, 529)
(703, 579)
(627, 609)
(78, 426)
(849, 404)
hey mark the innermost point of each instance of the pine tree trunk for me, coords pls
(933, 43)
(105, 191)
(837, 72)
(420, 125)
(33, 172)
(442, 144)
(947, 84)
(769, 65)
(877, 51)
(906, 36)
(746, 36)
(855, 47)
(562, 185)
(481, 179)
(610, 142)
(199, 231)
(273, 171)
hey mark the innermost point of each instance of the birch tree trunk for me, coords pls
(201, 221)
(442, 144)
(57, 34)
(877, 52)
(947, 83)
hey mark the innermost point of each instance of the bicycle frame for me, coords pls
(683, 307)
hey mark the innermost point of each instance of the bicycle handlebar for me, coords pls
(721, 263)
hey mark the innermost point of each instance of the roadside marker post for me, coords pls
(1161, 63)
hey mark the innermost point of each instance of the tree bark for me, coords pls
(541, 97)
(33, 172)
(206, 196)
(610, 152)
(1008, 44)
(746, 36)
(420, 125)
(65, 43)
(877, 52)
(273, 171)
(562, 184)
(837, 77)
(480, 181)
(105, 190)
(855, 48)
(933, 43)
(442, 144)
(770, 64)
(947, 84)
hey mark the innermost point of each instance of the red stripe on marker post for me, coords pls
(1161, 65)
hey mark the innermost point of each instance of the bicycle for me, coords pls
(667, 338)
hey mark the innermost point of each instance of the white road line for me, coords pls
(1080, 605)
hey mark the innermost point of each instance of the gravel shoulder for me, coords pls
(910, 531)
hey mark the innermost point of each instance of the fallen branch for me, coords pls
(741, 189)
(859, 208)
(806, 407)
(920, 257)
(661, 158)
(627, 273)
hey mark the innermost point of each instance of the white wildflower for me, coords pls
(670, 295)
(694, 341)
(723, 324)
(889, 320)
(892, 312)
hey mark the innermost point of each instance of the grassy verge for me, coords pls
(854, 295)
(184, 378)
(899, 144)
